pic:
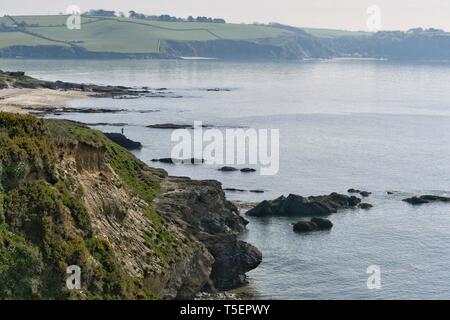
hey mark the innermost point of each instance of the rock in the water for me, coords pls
(234, 190)
(295, 205)
(426, 199)
(170, 126)
(179, 161)
(217, 89)
(123, 141)
(365, 206)
(163, 160)
(353, 191)
(228, 169)
(322, 224)
(435, 198)
(257, 191)
(315, 224)
(416, 200)
(305, 226)
(201, 209)
(246, 170)
(365, 194)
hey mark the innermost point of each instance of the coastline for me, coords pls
(25, 101)
(183, 263)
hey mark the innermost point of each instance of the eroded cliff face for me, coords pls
(69, 196)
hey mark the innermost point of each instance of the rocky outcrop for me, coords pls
(123, 141)
(20, 80)
(200, 208)
(295, 205)
(426, 199)
(315, 224)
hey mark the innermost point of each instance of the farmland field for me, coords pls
(123, 35)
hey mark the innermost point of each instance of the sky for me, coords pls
(335, 14)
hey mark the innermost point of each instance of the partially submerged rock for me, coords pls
(247, 170)
(106, 124)
(218, 89)
(179, 161)
(174, 126)
(123, 141)
(315, 224)
(363, 193)
(242, 190)
(234, 190)
(426, 199)
(228, 169)
(305, 226)
(322, 224)
(365, 206)
(170, 126)
(295, 205)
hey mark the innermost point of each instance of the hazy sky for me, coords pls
(342, 14)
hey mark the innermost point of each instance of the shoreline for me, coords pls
(218, 250)
(26, 101)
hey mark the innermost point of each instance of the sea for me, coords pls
(378, 126)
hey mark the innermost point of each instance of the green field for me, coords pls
(21, 39)
(123, 35)
(332, 33)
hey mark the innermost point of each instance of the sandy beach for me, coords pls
(24, 100)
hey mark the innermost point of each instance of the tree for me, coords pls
(101, 13)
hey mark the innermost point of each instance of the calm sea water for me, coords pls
(372, 125)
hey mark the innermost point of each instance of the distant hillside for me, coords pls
(120, 35)
(114, 37)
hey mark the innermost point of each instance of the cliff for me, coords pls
(70, 196)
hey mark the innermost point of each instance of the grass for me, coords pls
(124, 35)
(133, 172)
(332, 33)
(8, 39)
